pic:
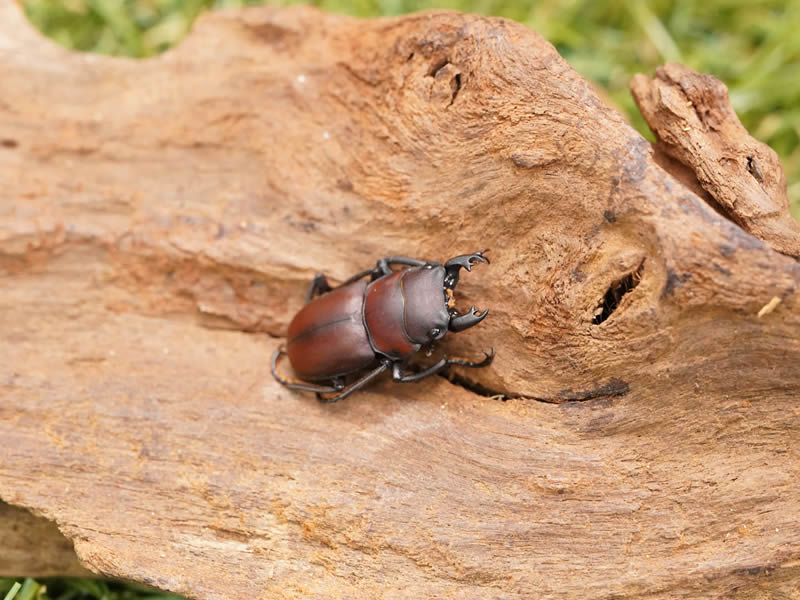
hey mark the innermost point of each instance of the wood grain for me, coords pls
(160, 221)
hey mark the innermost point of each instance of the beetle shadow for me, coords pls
(381, 401)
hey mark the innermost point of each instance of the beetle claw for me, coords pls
(465, 261)
(465, 321)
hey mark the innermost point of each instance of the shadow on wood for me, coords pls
(160, 221)
(33, 547)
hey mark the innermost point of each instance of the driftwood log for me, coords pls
(160, 221)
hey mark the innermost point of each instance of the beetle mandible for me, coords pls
(374, 322)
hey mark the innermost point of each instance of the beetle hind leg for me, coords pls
(356, 385)
(296, 384)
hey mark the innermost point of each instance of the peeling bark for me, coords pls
(160, 221)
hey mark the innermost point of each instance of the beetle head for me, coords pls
(425, 316)
(429, 307)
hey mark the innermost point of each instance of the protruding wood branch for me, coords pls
(695, 123)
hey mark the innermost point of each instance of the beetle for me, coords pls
(344, 337)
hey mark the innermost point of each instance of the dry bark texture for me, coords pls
(160, 221)
(696, 125)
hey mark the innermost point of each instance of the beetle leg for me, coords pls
(358, 276)
(319, 285)
(404, 260)
(357, 385)
(398, 375)
(381, 269)
(296, 384)
(384, 266)
(463, 362)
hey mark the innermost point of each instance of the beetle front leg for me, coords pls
(384, 266)
(400, 376)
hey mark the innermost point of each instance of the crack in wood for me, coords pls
(616, 292)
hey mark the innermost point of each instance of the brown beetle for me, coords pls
(342, 340)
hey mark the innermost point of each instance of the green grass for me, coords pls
(752, 46)
(76, 589)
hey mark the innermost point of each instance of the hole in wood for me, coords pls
(616, 292)
(438, 66)
(753, 169)
(456, 86)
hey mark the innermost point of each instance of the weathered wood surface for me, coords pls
(160, 221)
(696, 125)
